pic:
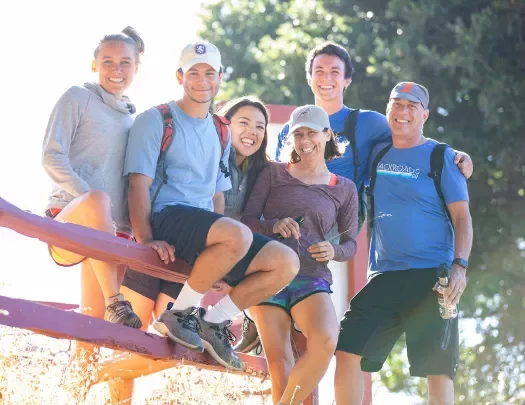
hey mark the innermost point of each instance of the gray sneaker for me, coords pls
(121, 312)
(216, 338)
(180, 326)
(249, 338)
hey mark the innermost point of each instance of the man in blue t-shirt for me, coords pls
(186, 218)
(412, 235)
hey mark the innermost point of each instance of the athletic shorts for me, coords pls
(300, 288)
(52, 213)
(187, 228)
(149, 286)
(397, 302)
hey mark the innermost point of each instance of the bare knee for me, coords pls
(280, 362)
(285, 261)
(96, 203)
(97, 199)
(323, 341)
(236, 235)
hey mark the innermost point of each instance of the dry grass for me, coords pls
(32, 369)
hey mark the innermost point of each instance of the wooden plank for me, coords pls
(91, 243)
(60, 324)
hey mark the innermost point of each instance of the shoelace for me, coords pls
(245, 328)
(229, 337)
(121, 307)
(245, 325)
(258, 348)
(190, 322)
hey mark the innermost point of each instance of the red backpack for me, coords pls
(221, 125)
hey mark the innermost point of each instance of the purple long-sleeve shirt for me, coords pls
(277, 195)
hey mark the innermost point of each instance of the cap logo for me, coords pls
(304, 113)
(200, 49)
(407, 87)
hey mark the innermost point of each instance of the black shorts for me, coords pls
(397, 302)
(149, 286)
(187, 228)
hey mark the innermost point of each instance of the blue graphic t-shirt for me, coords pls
(411, 227)
(371, 129)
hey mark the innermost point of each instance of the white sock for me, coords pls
(224, 310)
(113, 299)
(188, 297)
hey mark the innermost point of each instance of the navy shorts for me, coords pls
(149, 286)
(186, 228)
(397, 302)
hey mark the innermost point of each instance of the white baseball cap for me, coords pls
(200, 52)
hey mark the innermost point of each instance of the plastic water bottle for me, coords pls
(299, 220)
(446, 311)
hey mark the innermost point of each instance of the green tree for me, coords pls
(471, 56)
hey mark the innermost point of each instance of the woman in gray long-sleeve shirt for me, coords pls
(304, 187)
(83, 154)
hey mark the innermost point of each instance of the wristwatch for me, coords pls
(460, 262)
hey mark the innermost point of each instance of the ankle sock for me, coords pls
(188, 297)
(224, 310)
(114, 298)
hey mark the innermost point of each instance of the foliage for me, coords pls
(471, 56)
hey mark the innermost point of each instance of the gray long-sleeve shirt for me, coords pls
(277, 195)
(84, 148)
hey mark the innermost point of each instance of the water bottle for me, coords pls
(299, 220)
(446, 311)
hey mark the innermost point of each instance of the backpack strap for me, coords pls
(349, 132)
(221, 125)
(437, 161)
(370, 188)
(168, 132)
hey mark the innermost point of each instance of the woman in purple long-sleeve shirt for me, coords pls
(304, 187)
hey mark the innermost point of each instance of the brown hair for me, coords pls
(259, 159)
(331, 150)
(333, 49)
(129, 36)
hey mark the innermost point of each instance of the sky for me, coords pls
(46, 48)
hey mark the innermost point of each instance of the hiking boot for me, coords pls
(216, 338)
(180, 326)
(249, 338)
(121, 312)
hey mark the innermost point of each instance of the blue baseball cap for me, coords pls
(412, 92)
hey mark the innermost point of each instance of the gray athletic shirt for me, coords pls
(234, 197)
(277, 195)
(84, 148)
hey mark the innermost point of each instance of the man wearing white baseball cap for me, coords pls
(177, 162)
(200, 52)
